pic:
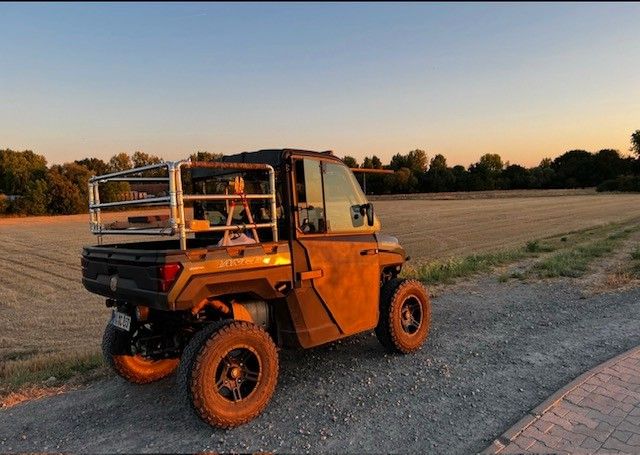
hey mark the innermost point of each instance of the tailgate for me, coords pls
(121, 274)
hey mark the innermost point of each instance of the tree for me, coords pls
(144, 159)
(206, 156)
(574, 169)
(114, 191)
(78, 176)
(545, 162)
(541, 177)
(415, 160)
(438, 162)
(635, 143)
(371, 163)
(350, 161)
(95, 165)
(439, 177)
(460, 178)
(18, 169)
(492, 162)
(516, 177)
(35, 199)
(64, 197)
(485, 174)
(376, 183)
(120, 162)
(402, 181)
(398, 161)
(607, 164)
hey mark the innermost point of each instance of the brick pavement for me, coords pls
(599, 412)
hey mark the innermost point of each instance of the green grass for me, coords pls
(447, 270)
(20, 373)
(575, 261)
(573, 252)
(535, 246)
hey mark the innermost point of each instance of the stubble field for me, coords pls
(46, 314)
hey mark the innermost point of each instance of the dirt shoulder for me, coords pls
(496, 350)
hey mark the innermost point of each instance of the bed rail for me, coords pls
(177, 223)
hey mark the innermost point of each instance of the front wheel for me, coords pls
(134, 368)
(405, 315)
(228, 373)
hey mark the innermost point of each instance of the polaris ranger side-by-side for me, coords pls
(269, 249)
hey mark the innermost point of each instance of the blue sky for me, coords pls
(523, 80)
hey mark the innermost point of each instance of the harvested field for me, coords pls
(493, 194)
(442, 228)
(45, 312)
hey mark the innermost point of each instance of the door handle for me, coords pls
(369, 252)
(310, 275)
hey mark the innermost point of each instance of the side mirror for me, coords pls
(368, 210)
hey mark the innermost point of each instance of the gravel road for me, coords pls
(496, 350)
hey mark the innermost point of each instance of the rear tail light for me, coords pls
(167, 275)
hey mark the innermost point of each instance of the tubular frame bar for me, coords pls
(181, 218)
(233, 227)
(222, 197)
(134, 231)
(175, 200)
(139, 179)
(147, 201)
(170, 232)
(136, 170)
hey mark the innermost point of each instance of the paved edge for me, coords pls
(532, 416)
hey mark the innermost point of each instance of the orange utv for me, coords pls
(265, 250)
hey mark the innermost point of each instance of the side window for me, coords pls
(343, 198)
(309, 194)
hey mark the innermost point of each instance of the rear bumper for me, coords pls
(127, 291)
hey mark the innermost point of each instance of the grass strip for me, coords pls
(445, 271)
(574, 262)
(61, 366)
(574, 252)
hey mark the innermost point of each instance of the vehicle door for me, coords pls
(340, 263)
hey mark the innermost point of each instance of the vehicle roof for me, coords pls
(272, 157)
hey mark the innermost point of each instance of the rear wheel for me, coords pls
(228, 373)
(405, 315)
(133, 368)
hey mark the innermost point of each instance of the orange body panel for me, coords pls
(350, 280)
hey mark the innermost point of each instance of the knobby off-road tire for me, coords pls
(405, 315)
(228, 373)
(133, 368)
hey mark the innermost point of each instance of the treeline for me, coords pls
(29, 187)
(415, 172)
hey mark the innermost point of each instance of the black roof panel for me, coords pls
(272, 157)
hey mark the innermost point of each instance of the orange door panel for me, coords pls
(345, 273)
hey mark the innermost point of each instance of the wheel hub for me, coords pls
(238, 374)
(411, 315)
(235, 372)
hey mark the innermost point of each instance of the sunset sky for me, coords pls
(526, 81)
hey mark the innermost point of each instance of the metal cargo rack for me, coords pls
(174, 201)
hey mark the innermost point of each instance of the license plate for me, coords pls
(121, 320)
